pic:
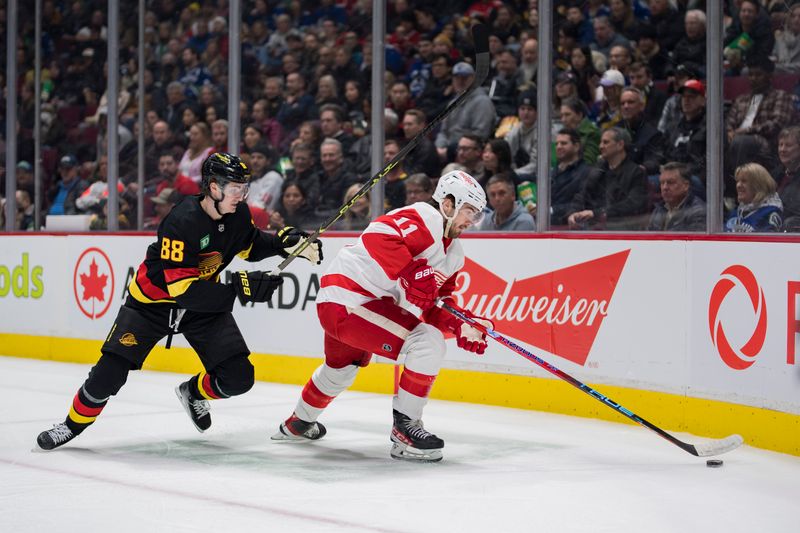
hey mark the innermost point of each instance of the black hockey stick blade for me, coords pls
(480, 37)
(707, 448)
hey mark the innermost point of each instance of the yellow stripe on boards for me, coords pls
(763, 428)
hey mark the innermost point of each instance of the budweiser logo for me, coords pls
(560, 311)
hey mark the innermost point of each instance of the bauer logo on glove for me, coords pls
(418, 280)
(294, 240)
(255, 286)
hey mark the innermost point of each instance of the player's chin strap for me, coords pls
(448, 219)
(217, 202)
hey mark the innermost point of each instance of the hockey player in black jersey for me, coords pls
(177, 290)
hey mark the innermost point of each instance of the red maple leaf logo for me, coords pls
(93, 283)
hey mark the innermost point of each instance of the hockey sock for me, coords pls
(324, 386)
(412, 394)
(84, 411)
(204, 387)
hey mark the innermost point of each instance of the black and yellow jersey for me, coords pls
(184, 264)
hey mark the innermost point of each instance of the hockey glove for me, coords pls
(255, 286)
(470, 338)
(292, 238)
(419, 283)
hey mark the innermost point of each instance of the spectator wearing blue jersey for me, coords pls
(759, 207)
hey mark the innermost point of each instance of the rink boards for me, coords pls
(696, 334)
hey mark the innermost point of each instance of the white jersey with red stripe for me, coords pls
(368, 269)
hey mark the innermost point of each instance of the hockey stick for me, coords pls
(480, 37)
(705, 449)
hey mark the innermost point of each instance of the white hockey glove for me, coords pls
(472, 339)
(292, 238)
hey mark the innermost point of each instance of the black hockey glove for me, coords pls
(292, 238)
(255, 286)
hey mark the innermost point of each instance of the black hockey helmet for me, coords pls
(223, 167)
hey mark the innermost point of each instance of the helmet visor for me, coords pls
(236, 190)
(472, 214)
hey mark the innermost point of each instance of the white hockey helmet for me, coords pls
(463, 188)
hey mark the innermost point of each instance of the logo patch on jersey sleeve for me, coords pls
(205, 241)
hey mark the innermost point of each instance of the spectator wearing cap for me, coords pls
(679, 209)
(503, 87)
(476, 115)
(607, 110)
(63, 194)
(686, 143)
(25, 177)
(787, 43)
(162, 204)
(523, 137)
(566, 87)
(650, 53)
(266, 183)
(647, 143)
(605, 37)
(748, 36)
(573, 117)
(787, 176)
(642, 78)
(671, 114)
(667, 24)
(764, 111)
(691, 49)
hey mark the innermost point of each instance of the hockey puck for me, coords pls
(714, 463)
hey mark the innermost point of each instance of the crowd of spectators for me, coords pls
(629, 102)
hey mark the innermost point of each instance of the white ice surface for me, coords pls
(144, 468)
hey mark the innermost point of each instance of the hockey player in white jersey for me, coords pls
(378, 296)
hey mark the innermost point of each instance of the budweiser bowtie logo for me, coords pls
(560, 312)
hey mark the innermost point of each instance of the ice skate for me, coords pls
(294, 429)
(55, 437)
(411, 442)
(199, 411)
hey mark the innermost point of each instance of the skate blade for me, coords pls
(280, 436)
(403, 452)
